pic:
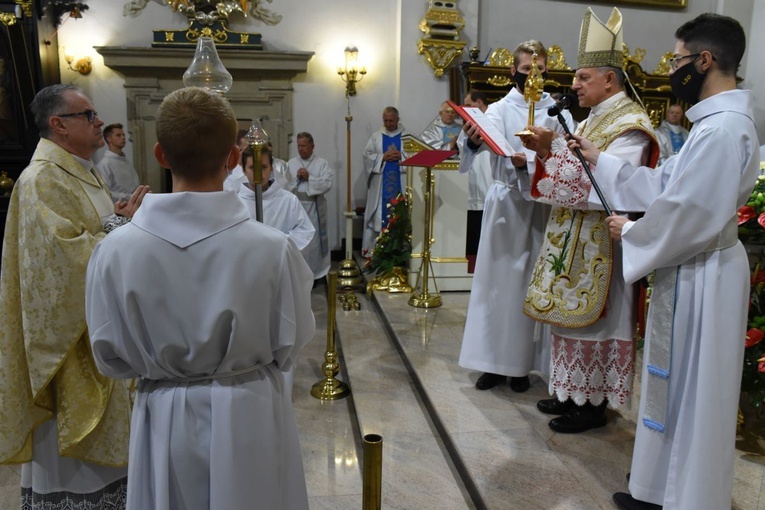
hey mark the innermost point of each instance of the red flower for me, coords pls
(754, 336)
(761, 366)
(758, 277)
(761, 220)
(745, 214)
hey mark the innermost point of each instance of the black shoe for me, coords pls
(555, 406)
(627, 502)
(489, 380)
(577, 420)
(520, 384)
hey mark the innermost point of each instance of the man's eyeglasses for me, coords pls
(89, 114)
(674, 62)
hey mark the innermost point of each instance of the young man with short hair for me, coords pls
(210, 309)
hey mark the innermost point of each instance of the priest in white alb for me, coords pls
(385, 177)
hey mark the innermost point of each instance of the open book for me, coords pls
(489, 132)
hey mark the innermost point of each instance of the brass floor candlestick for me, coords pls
(330, 388)
(348, 270)
(371, 495)
(424, 299)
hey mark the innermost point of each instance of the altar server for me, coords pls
(281, 209)
(210, 309)
(499, 340)
(685, 439)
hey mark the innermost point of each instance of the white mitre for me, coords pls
(601, 44)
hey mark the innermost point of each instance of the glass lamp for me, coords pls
(206, 70)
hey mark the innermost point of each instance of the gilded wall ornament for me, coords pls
(441, 45)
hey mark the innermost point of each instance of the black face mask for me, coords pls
(520, 79)
(686, 83)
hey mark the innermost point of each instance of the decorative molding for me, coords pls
(262, 88)
(8, 18)
(26, 7)
(441, 45)
(556, 61)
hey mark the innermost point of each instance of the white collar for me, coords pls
(188, 217)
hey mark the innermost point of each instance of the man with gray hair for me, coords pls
(577, 287)
(63, 421)
(310, 178)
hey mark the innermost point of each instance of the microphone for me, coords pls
(564, 103)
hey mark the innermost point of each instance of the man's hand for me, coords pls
(129, 207)
(540, 142)
(518, 159)
(302, 174)
(473, 133)
(615, 224)
(392, 154)
(589, 151)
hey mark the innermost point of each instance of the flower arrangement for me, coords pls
(751, 226)
(753, 376)
(751, 217)
(393, 248)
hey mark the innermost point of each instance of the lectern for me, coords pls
(422, 297)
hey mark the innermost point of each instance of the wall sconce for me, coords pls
(83, 65)
(351, 74)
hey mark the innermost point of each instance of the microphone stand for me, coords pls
(579, 155)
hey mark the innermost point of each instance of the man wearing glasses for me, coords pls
(694, 349)
(64, 422)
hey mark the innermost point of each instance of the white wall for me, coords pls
(386, 34)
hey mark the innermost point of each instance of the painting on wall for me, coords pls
(669, 4)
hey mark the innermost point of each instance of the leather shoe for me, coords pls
(627, 502)
(489, 380)
(555, 406)
(577, 420)
(520, 384)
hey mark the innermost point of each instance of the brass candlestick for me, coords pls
(350, 274)
(330, 388)
(372, 472)
(424, 299)
(257, 138)
(532, 93)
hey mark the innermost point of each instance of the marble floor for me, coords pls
(446, 445)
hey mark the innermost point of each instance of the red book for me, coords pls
(428, 158)
(489, 132)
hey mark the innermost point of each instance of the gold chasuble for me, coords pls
(572, 274)
(46, 365)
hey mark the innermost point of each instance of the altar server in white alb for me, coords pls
(480, 179)
(310, 177)
(499, 339)
(236, 177)
(686, 432)
(385, 177)
(212, 424)
(281, 209)
(118, 173)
